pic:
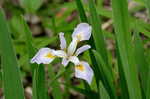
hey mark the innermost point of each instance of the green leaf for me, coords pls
(13, 88)
(44, 41)
(38, 72)
(1, 82)
(58, 75)
(148, 87)
(103, 92)
(89, 94)
(97, 42)
(147, 3)
(97, 32)
(148, 79)
(56, 90)
(39, 84)
(122, 82)
(123, 36)
(31, 5)
(141, 62)
(67, 77)
(81, 11)
(107, 75)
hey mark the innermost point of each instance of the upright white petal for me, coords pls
(62, 41)
(72, 47)
(60, 53)
(65, 61)
(82, 32)
(44, 56)
(74, 59)
(82, 49)
(84, 71)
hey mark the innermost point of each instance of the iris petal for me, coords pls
(82, 32)
(62, 41)
(82, 49)
(72, 47)
(84, 71)
(44, 56)
(65, 61)
(60, 53)
(74, 59)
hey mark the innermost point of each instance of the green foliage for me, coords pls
(103, 92)
(31, 6)
(11, 74)
(142, 64)
(123, 36)
(119, 54)
(108, 76)
(56, 90)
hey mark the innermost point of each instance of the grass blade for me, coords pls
(38, 72)
(39, 83)
(121, 23)
(81, 11)
(13, 88)
(148, 87)
(97, 32)
(87, 93)
(141, 61)
(98, 40)
(103, 92)
(122, 82)
(56, 90)
(107, 75)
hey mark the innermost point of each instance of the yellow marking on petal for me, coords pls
(80, 67)
(79, 36)
(49, 55)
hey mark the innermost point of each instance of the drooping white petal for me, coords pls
(65, 61)
(74, 59)
(82, 32)
(72, 47)
(62, 41)
(44, 56)
(60, 53)
(84, 71)
(82, 49)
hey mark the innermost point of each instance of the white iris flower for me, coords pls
(82, 69)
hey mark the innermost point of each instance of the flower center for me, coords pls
(80, 67)
(49, 55)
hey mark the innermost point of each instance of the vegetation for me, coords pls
(119, 51)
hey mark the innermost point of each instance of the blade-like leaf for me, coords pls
(13, 88)
(103, 92)
(81, 11)
(97, 32)
(122, 82)
(148, 87)
(141, 62)
(56, 90)
(98, 40)
(89, 94)
(108, 76)
(38, 72)
(121, 23)
(39, 83)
